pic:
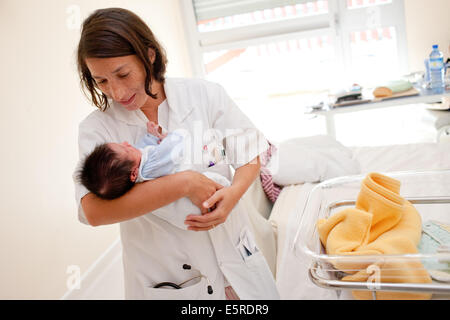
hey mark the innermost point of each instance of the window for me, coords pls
(373, 39)
(277, 57)
(266, 14)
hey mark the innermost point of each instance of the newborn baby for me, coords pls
(112, 169)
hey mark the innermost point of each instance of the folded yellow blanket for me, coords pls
(382, 223)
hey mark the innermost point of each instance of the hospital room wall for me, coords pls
(40, 108)
(427, 23)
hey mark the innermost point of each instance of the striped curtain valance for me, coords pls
(211, 9)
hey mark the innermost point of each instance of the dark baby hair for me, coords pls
(104, 174)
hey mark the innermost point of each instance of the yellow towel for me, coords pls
(382, 223)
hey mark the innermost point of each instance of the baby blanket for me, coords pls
(382, 223)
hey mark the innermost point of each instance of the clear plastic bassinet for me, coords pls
(428, 192)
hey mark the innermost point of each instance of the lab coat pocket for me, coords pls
(196, 291)
(258, 266)
(252, 278)
(246, 245)
(259, 278)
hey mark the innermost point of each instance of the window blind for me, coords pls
(211, 9)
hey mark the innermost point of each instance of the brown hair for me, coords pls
(105, 174)
(117, 32)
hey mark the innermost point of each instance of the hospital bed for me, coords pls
(285, 233)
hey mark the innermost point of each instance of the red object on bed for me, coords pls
(271, 189)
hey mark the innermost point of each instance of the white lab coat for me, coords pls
(155, 250)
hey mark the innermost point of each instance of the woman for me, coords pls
(122, 68)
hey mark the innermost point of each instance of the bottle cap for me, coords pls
(435, 46)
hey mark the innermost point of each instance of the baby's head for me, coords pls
(110, 170)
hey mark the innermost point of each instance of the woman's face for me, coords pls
(121, 79)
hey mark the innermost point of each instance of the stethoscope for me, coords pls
(178, 286)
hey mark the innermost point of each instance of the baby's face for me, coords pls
(127, 151)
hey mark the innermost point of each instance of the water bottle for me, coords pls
(437, 70)
(426, 76)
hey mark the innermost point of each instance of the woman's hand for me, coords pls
(200, 188)
(221, 203)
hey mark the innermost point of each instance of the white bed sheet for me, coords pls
(291, 270)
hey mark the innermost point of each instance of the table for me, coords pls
(424, 96)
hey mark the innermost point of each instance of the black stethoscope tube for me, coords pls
(178, 286)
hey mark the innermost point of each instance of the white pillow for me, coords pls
(311, 159)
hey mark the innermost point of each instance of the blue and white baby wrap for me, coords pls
(167, 156)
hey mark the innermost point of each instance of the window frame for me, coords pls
(339, 22)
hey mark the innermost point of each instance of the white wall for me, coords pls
(41, 105)
(427, 23)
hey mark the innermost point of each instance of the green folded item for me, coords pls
(392, 87)
(436, 238)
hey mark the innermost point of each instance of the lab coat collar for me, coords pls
(177, 95)
(136, 117)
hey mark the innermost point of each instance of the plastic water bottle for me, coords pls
(437, 70)
(427, 73)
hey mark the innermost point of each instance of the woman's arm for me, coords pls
(148, 196)
(224, 200)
